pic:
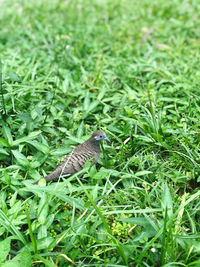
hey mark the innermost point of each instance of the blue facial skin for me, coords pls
(102, 137)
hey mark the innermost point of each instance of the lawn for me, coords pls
(131, 69)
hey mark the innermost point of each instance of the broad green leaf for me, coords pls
(25, 117)
(2, 230)
(38, 159)
(191, 243)
(92, 106)
(50, 220)
(13, 199)
(167, 202)
(3, 151)
(141, 173)
(136, 220)
(34, 114)
(70, 200)
(4, 249)
(16, 207)
(42, 231)
(61, 151)
(3, 142)
(43, 243)
(21, 158)
(10, 227)
(29, 137)
(102, 93)
(94, 192)
(22, 259)
(80, 129)
(7, 135)
(34, 164)
(39, 146)
(43, 209)
(100, 175)
(33, 172)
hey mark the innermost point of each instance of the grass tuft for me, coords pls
(130, 68)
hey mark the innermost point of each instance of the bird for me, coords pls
(75, 160)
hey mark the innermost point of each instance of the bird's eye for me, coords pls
(100, 136)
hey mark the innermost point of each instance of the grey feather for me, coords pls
(74, 162)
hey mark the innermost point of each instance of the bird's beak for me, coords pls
(106, 138)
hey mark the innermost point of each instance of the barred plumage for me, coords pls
(74, 162)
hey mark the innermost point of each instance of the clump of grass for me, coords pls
(129, 68)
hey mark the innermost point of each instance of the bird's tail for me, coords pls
(52, 176)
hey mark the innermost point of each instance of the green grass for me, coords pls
(130, 68)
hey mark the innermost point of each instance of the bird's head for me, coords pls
(100, 135)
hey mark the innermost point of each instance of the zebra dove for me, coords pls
(74, 161)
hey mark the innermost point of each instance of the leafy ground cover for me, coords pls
(130, 68)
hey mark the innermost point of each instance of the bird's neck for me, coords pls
(94, 144)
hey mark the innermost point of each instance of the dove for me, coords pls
(75, 160)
